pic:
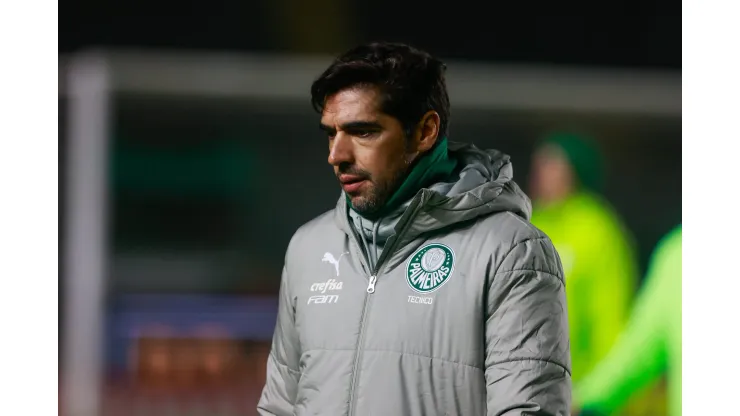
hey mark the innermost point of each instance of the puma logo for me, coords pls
(329, 258)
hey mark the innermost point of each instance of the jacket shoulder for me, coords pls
(519, 245)
(510, 228)
(320, 227)
(317, 225)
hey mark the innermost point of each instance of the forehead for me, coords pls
(551, 152)
(353, 104)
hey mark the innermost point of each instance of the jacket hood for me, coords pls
(482, 184)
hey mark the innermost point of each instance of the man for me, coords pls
(650, 345)
(596, 251)
(426, 291)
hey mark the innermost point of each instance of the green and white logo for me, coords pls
(430, 267)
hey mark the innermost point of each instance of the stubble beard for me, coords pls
(371, 204)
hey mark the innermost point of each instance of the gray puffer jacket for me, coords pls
(452, 305)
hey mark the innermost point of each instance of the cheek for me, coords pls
(383, 160)
(548, 171)
(395, 172)
(559, 173)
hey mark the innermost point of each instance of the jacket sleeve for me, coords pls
(281, 385)
(527, 344)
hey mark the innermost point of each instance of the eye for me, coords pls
(364, 134)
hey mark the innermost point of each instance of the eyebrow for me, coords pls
(353, 125)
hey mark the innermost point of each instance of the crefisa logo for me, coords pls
(323, 287)
(330, 284)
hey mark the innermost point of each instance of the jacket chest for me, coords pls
(428, 302)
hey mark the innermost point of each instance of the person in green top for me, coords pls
(650, 345)
(596, 251)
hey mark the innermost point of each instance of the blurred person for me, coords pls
(426, 290)
(650, 344)
(596, 249)
(597, 253)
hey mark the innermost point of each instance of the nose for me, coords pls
(340, 150)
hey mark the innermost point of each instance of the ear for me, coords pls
(427, 131)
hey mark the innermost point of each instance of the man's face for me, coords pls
(367, 148)
(552, 177)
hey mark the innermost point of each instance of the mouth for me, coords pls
(351, 184)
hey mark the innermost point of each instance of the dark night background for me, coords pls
(626, 34)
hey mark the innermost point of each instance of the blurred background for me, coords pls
(189, 154)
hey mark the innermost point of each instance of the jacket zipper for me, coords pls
(360, 339)
(370, 290)
(371, 284)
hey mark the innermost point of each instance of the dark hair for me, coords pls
(412, 81)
